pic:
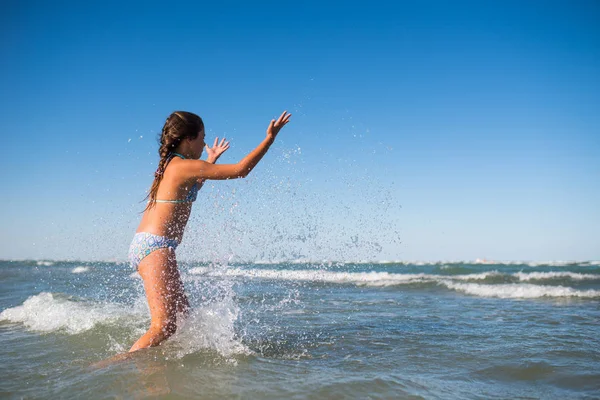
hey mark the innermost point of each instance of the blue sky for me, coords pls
(421, 130)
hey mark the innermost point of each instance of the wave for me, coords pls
(47, 312)
(79, 270)
(45, 263)
(519, 291)
(442, 263)
(382, 278)
(210, 327)
(359, 278)
(485, 284)
(530, 276)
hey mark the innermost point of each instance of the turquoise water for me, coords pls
(297, 330)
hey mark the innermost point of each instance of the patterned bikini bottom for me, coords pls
(144, 243)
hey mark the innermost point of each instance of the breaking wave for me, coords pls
(380, 278)
(519, 291)
(484, 284)
(48, 312)
(210, 327)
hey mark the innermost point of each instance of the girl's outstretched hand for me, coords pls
(275, 126)
(213, 153)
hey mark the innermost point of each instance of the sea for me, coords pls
(306, 330)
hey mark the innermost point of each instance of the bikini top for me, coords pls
(191, 196)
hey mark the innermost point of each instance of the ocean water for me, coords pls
(306, 330)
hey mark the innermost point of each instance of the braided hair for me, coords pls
(179, 126)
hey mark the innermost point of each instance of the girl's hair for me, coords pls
(179, 126)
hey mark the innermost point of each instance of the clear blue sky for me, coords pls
(420, 130)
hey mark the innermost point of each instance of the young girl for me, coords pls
(179, 176)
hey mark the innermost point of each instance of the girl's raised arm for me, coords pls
(199, 169)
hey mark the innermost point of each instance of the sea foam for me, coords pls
(379, 278)
(209, 327)
(49, 312)
(45, 263)
(358, 278)
(519, 291)
(530, 276)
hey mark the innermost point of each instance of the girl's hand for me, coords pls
(275, 126)
(213, 153)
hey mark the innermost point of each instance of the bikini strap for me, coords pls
(161, 171)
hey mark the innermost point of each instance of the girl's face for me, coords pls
(198, 144)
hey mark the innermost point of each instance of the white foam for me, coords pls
(519, 291)
(266, 262)
(79, 270)
(357, 278)
(208, 327)
(48, 312)
(455, 282)
(530, 276)
(478, 262)
(470, 277)
(45, 263)
(550, 263)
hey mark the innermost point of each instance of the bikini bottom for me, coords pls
(144, 243)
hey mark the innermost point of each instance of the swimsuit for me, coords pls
(192, 195)
(144, 243)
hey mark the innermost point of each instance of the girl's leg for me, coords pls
(157, 270)
(182, 303)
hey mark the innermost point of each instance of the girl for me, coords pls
(179, 176)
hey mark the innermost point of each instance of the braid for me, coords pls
(180, 125)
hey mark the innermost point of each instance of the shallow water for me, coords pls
(393, 330)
